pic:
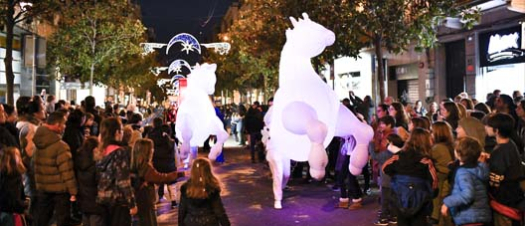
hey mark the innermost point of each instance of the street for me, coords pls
(248, 199)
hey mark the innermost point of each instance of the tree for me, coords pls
(253, 61)
(257, 36)
(13, 12)
(392, 25)
(97, 39)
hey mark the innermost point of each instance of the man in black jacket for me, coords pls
(163, 154)
(253, 125)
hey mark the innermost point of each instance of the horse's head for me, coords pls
(203, 77)
(308, 38)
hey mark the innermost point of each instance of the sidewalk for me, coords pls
(248, 199)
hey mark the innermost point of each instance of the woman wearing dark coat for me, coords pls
(85, 169)
(164, 152)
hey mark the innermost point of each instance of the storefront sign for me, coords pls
(502, 47)
(407, 71)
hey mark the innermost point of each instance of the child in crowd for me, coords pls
(114, 190)
(394, 144)
(469, 202)
(413, 179)
(380, 155)
(505, 171)
(143, 177)
(200, 202)
(443, 154)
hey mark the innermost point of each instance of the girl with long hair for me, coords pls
(397, 111)
(418, 122)
(114, 187)
(412, 167)
(443, 154)
(200, 203)
(143, 178)
(12, 198)
(469, 105)
(450, 113)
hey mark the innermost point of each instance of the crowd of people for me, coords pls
(83, 165)
(458, 163)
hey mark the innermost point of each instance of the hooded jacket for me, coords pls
(469, 201)
(164, 153)
(53, 163)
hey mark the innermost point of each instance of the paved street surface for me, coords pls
(248, 199)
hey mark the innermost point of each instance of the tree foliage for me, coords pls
(393, 25)
(100, 38)
(13, 12)
(257, 36)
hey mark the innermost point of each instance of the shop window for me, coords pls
(507, 78)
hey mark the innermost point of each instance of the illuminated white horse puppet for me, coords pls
(196, 117)
(307, 114)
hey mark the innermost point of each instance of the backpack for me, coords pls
(411, 194)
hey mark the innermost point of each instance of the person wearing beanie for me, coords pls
(472, 127)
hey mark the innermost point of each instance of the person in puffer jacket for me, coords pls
(54, 174)
(469, 201)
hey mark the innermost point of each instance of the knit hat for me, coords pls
(474, 128)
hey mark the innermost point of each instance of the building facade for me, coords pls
(490, 56)
(29, 60)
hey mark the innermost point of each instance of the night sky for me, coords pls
(170, 17)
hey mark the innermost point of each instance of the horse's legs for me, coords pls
(349, 125)
(222, 136)
(276, 167)
(186, 134)
(300, 118)
(286, 171)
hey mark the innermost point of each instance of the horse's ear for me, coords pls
(305, 16)
(294, 21)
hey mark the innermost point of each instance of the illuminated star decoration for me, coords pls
(177, 69)
(189, 43)
(186, 46)
(176, 66)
